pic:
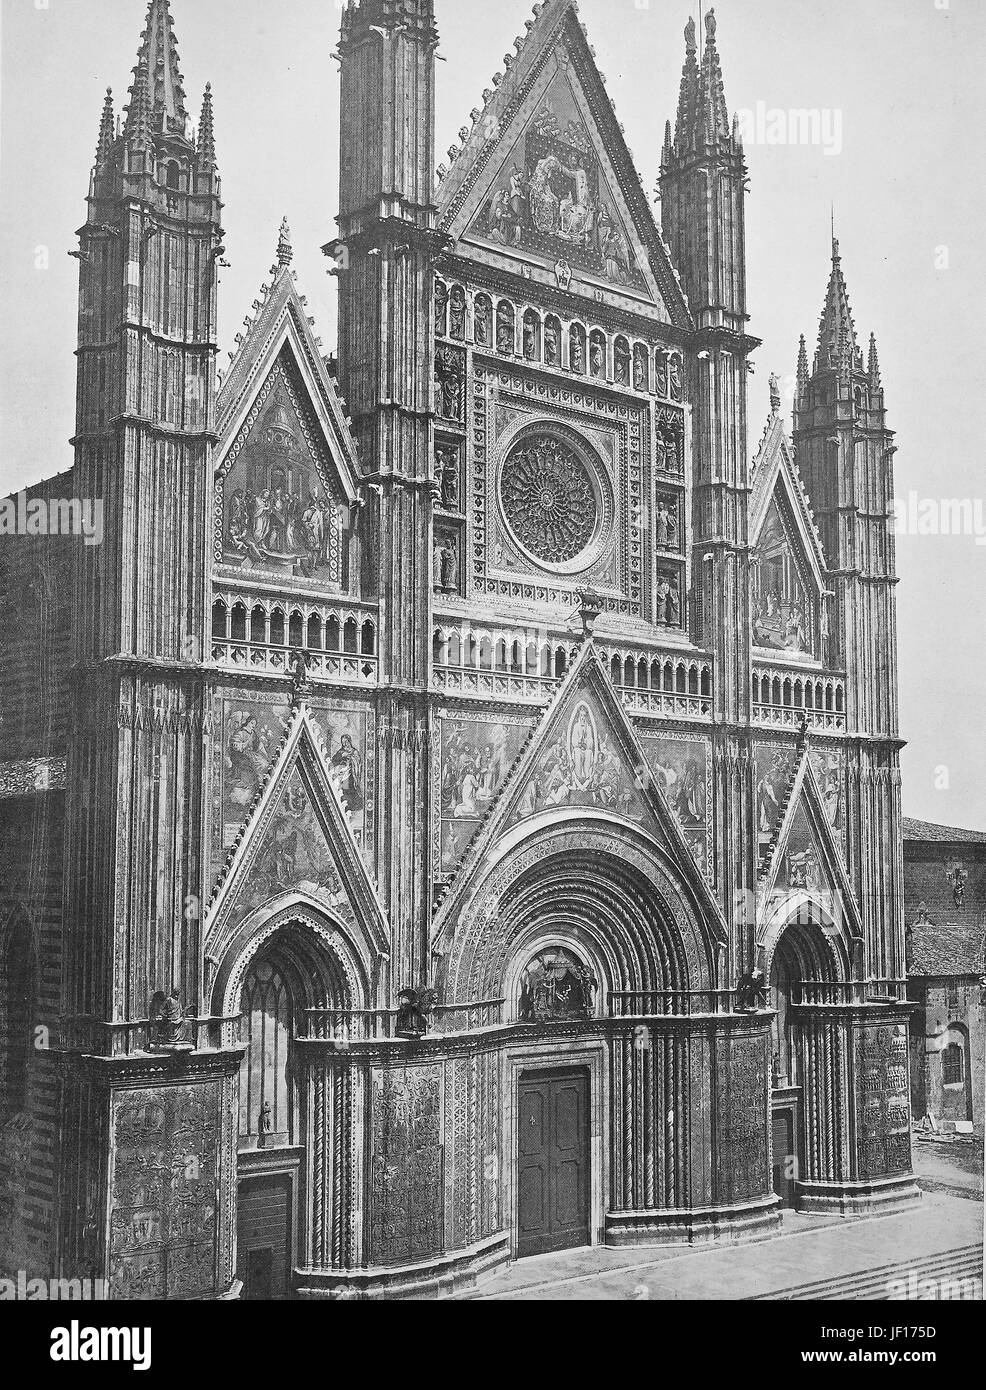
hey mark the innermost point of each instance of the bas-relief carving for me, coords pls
(741, 1151)
(830, 768)
(683, 769)
(407, 1166)
(553, 200)
(163, 1226)
(475, 756)
(281, 509)
(252, 733)
(783, 609)
(883, 1146)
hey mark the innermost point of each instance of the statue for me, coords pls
(265, 1124)
(751, 991)
(414, 1009)
(168, 1023)
(300, 663)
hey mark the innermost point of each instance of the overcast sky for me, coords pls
(898, 83)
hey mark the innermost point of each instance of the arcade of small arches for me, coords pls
(276, 625)
(469, 649)
(545, 339)
(797, 692)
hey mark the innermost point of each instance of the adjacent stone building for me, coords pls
(945, 913)
(401, 807)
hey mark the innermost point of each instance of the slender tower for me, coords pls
(386, 254)
(703, 192)
(146, 381)
(845, 455)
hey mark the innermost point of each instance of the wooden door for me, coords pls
(553, 1161)
(263, 1250)
(785, 1155)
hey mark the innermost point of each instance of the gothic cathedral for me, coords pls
(455, 813)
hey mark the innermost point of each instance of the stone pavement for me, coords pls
(814, 1257)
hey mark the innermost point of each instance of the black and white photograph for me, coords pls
(492, 640)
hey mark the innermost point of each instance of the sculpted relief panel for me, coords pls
(163, 1221)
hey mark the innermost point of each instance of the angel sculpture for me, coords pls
(415, 1006)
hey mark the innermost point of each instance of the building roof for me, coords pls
(941, 834)
(946, 948)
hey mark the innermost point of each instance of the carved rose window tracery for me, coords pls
(548, 499)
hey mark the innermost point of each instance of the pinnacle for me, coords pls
(157, 60)
(836, 331)
(106, 130)
(285, 251)
(206, 136)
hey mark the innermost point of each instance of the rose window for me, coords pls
(548, 499)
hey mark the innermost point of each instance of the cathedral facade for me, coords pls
(455, 813)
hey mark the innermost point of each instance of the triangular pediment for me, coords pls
(788, 565)
(545, 183)
(297, 844)
(287, 470)
(584, 758)
(807, 862)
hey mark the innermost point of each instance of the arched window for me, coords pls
(296, 629)
(368, 639)
(265, 1099)
(350, 637)
(953, 1065)
(258, 625)
(238, 629)
(315, 632)
(332, 634)
(173, 174)
(18, 1004)
(219, 619)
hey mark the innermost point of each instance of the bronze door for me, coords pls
(263, 1250)
(553, 1162)
(785, 1155)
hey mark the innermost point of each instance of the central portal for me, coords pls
(553, 1161)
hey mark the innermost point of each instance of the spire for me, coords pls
(684, 131)
(874, 364)
(285, 251)
(836, 330)
(206, 136)
(107, 130)
(138, 127)
(804, 375)
(158, 60)
(713, 115)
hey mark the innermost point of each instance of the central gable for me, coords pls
(544, 184)
(555, 198)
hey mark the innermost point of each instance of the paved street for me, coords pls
(814, 1258)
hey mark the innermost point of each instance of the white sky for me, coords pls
(904, 75)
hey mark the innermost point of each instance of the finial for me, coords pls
(285, 252)
(775, 393)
